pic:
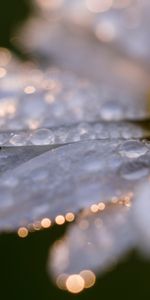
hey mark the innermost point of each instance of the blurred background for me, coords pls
(23, 261)
(12, 14)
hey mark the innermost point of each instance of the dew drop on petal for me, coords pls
(42, 137)
(18, 140)
(132, 149)
(134, 170)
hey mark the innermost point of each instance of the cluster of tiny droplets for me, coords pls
(74, 133)
(41, 107)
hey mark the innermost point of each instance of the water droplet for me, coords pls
(61, 135)
(18, 140)
(42, 137)
(100, 131)
(85, 131)
(134, 170)
(132, 149)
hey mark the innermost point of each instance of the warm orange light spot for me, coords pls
(22, 232)
(60, 220)
(70, 217)
(33, 124)
(29, 89)
(8, 107)
(94, 208)
(89, 278)
(127, 202)
(128, 199)
(61, 281)
(75, 284)
(46, 223)
(101, 206)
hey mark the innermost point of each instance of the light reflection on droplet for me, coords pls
(33, 124)
(132, 149)
(89, 278)
(46, 223)
(42, 136)
(75, 284)
(29, 89)
(22, 232)
(7, 107)
(61, 281)
(94, 208)
(101, 206)
(60, 220)
(127, 200)
(69, 217)
(18, 140)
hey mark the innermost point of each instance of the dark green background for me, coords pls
(23, 272)
(12, 13)
(23, 262)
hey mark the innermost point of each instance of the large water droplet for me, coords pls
(18, 139)
(132, 149)
(42, 137)
(134, 170)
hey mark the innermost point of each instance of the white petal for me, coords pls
(95, 242)
(71, 178)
